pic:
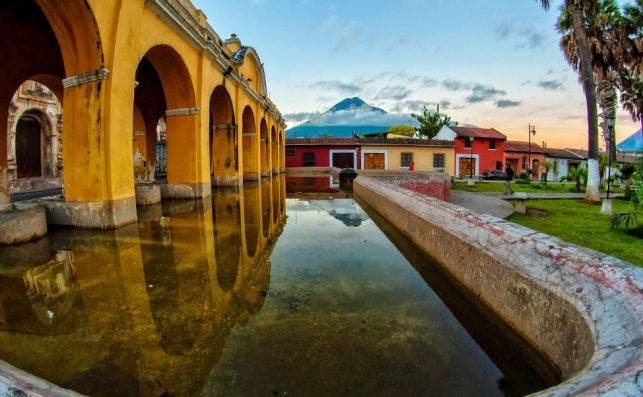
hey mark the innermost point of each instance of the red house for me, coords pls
(476, 149)
(519, 154)
(322, 152)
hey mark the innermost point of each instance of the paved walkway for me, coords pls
(492, 203)
(482, 204)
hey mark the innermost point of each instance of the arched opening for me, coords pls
(264, 148)
(274, 147)
(48, 41)
(165, 99)
(265, 206)
(226, 210)
(252, 213)
(149, 107)
(224, 161)
(250, 150)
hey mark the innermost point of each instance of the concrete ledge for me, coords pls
(190, 191)
(148, 194)
(15, 382)
(307, 171)
(26, 222)
(252, 176)
(91, 215)
(582, 309)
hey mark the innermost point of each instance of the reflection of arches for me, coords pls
(175, 282)
(250, 164)
(265, 206)
(251, 211)
(227, 237)
(224, 162)
(264, 152)
(274, 148)
(166, 87)
(275, 199)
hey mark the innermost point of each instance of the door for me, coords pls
(467, 166)
(374, 161)
(28, 148)
(343, 160)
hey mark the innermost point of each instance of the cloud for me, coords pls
(456, 85)
(522, 36)
(550, 85)
(395, 92)
(507, 103)
(414, 106)
(362, 116)
(348, 36)
(336, 85)
(483, 93)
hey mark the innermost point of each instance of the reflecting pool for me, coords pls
(220, 298)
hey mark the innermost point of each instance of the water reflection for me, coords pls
(226, 210)
(265, 206)
(144, 310)
(252, 215)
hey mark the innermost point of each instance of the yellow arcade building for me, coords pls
(131, 75)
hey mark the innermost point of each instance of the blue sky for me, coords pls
(491, 63)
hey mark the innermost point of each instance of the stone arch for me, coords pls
(165, 89)
(264, 148)
(224, 159)
(250, 149)
(251, 68)
(274, 150)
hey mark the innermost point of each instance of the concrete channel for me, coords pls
(581, 309)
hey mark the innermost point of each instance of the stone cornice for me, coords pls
(200, 37)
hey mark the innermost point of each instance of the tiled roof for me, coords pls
(562, 154)
(488, 133)
(407, 142)
(583, 154)
(321, 141)
(518, 146)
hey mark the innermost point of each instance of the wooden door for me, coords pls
(467, 166)
(374, 161)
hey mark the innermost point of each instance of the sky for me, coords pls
(490, 63)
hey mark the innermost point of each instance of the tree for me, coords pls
(430, 122)
(401, 129)
(577, 10)
(631, 69)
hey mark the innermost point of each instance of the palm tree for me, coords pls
(602, 31)
(577, 10)
(631, 69)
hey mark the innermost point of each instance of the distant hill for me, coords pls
(351, 116)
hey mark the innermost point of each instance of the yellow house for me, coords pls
(399, 153)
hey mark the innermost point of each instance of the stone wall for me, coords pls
(581, 309)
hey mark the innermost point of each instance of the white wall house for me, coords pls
(562, 160)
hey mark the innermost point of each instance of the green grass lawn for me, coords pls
(535, 187)
(578, 222)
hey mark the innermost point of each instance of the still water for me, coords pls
(220, 298)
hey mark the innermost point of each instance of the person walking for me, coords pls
(509, 176)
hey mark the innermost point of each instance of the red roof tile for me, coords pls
(321, 141)
(488, 133)
(518, 146)
(406, 142)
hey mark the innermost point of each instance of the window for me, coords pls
(406, 160)
(438, 161)
(309, 159)
(467, 142)
(290, 151)
(492, 145)
(499, 165)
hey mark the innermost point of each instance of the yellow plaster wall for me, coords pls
(422, 156)
(99, 116)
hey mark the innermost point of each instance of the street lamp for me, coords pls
(606, 207)
(532, 131)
